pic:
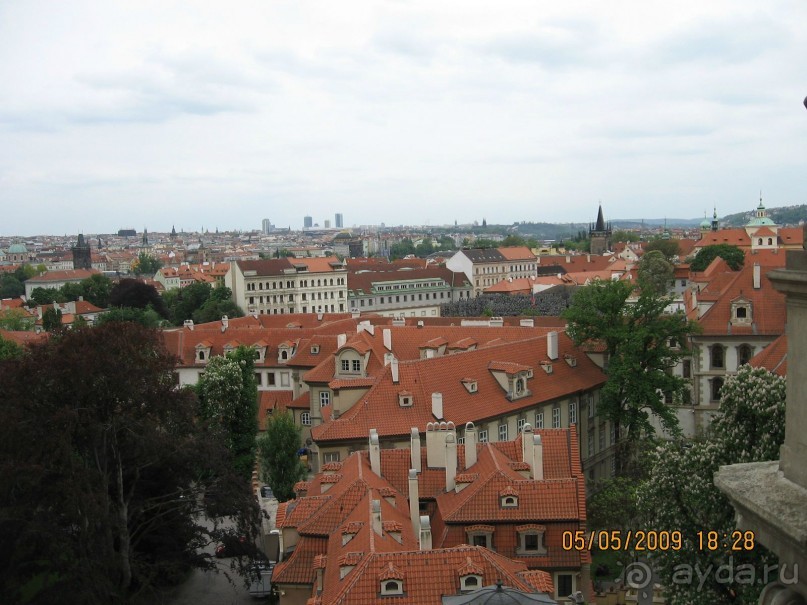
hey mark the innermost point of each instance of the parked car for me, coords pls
(232, 546)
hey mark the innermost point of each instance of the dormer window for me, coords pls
(471, 385)
(571, 360)
(470, 583)
(203, 352)
(405, 399)
(391, 587)
(546, 366)
(314, 349)
(509, 501)
(519, 387)
(531, 540)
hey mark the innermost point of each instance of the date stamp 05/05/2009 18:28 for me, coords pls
(652, 540)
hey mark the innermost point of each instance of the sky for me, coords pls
(117, 114)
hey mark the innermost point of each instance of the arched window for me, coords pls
(770, 241)
(759, 241)
(717, 357)
(744, 354)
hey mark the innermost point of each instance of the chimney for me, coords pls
(537, 458)
(568, 258)
(470, 445)
(527, 323)
(527, 445)
(394, 369)
(225, 323)
(451, 462)
(437, 405)
(375, 453)
(552, 345)
(387, 333)
(757, 276)
(414, 449)
(414, 501)
(375, 508)
(425, 533)
(189, 324)
(588, 258)
(341, 339)
(695, 298)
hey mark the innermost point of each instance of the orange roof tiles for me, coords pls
(773, 357)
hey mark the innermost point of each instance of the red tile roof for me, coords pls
(773, 357)
(380, 409)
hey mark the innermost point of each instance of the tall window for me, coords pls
(345, 365)
(502, 432)
(744, 354)
(305, 419)
(717, 356)
(483, 436)
(539, 420)
(572, 412)
(324, 398)
(716, 387)
(356, 365)
(555, 418)
(520, 424)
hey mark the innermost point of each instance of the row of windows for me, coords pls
(317, 309)
(717, 355)
(406, 297)
(351, 365)
(253, 286)
(411, 286)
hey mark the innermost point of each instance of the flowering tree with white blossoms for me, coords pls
(680, 495)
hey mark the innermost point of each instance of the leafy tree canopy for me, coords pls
(110, 482)
(147, 317)
(620, 235)
(668, 247)
(15, 320)
(52, 319)
(731, 254)
(9, 349)
(680, 494)
(656, 272)
(146, 264)
(637, 338)
(134, 293)
(280, 466)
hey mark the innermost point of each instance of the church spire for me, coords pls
(600, 221)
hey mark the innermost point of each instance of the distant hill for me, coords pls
(786, 215)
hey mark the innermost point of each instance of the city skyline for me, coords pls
(399, 112)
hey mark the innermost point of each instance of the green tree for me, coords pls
(620, 235)
(146, 265)
(218, 304)
(401, 249)
(637, 338)
(97, 289)
(15, 320)
(52, 319)
(668, 247)
(9, 349)
(656, 272)
(731, 254)
(188, 300)
(110, 482)
(134, 293)
(11, 286)
(280, 466)
(43, 296)
(680, 494)
(228, 397)
(147, 317)
(513, 240)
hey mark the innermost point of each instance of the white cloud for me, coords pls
(160, 113)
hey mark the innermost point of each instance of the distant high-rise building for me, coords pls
(339, 221)
(308, 222)
(267, 226)
(327, 224)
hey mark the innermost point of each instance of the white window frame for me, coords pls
(539, 420)
(556, 417)
(503, 432)
(324, 398)
(572, 413)
(305, 418)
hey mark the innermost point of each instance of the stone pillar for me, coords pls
(770, 498)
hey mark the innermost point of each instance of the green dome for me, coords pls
(706, 223)
(17, 249)
(759, 221)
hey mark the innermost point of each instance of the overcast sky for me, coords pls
(219, 114)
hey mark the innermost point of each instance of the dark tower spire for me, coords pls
(600, 221)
